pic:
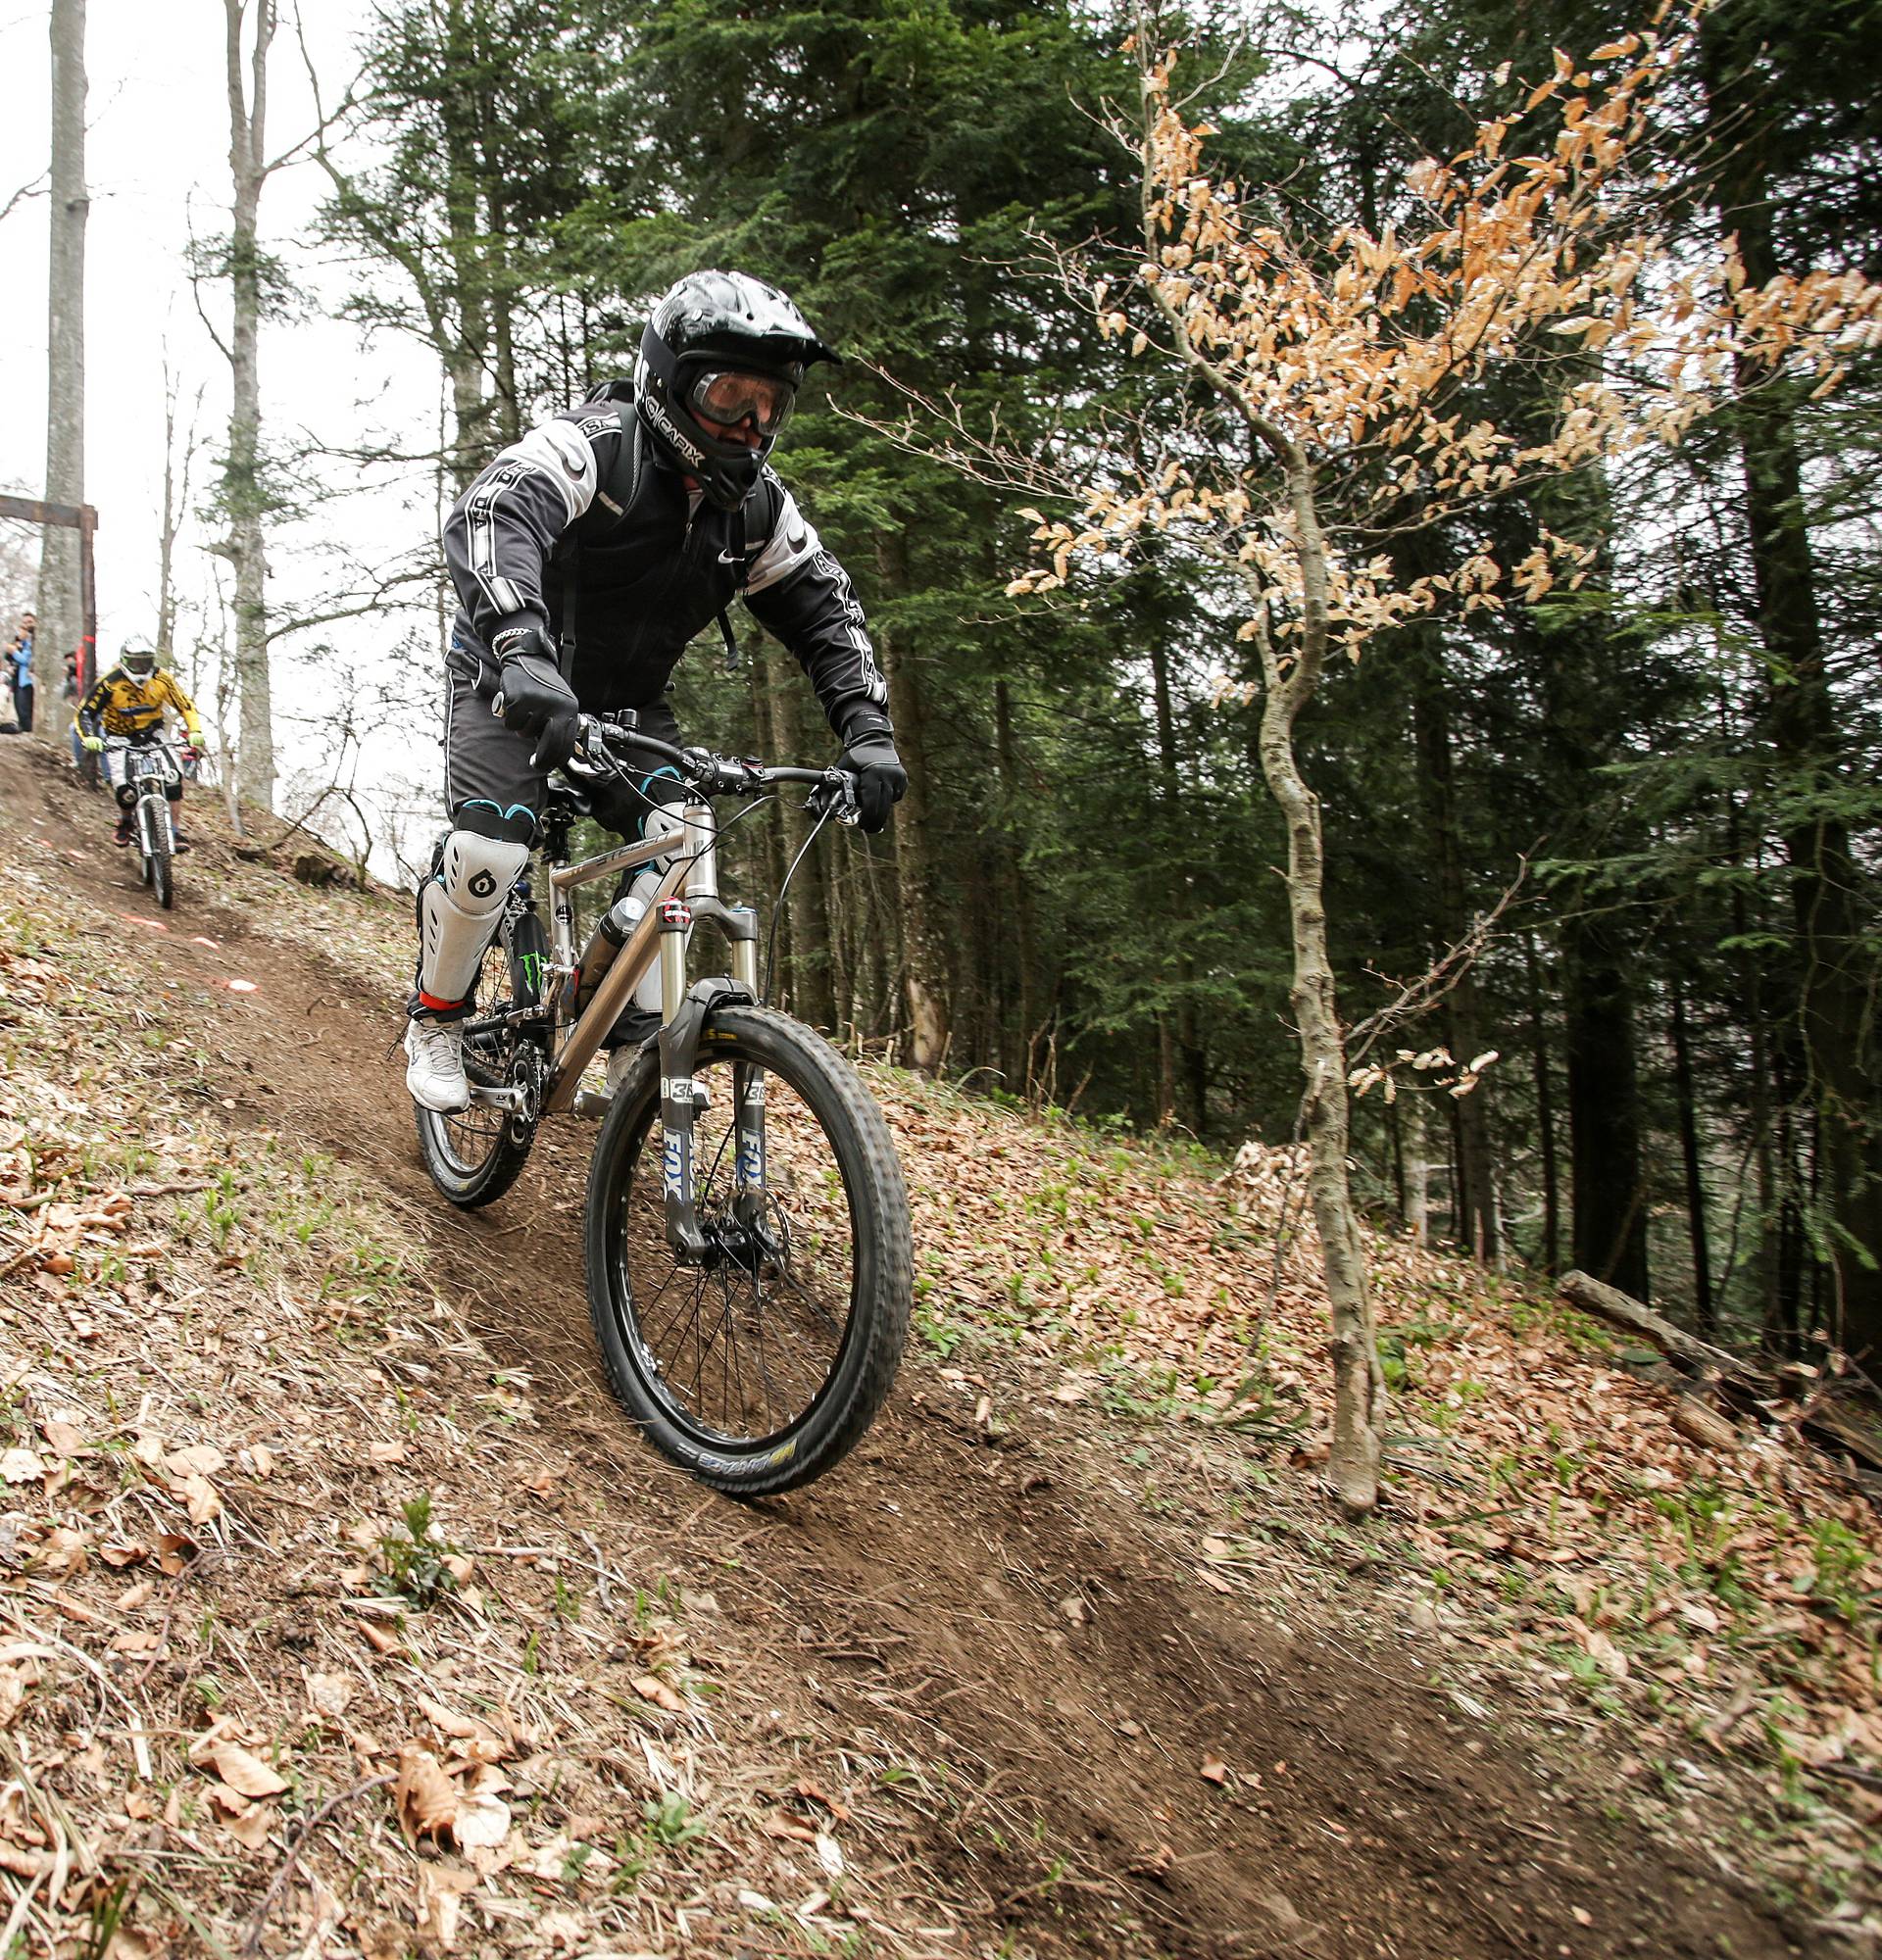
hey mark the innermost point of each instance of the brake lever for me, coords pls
(592, 749)
(836, 799)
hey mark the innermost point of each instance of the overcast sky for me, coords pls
(156, 161)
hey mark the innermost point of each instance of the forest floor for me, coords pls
(1072, 1656)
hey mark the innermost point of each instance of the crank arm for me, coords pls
(510, 1098)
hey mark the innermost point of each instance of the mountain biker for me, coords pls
(586, 556)
(129, 701)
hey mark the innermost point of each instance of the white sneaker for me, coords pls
(434, 1074)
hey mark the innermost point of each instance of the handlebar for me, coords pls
(704, 773)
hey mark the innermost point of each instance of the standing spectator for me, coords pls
(9, 711)
(23, 687)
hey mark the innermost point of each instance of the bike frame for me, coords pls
(687, 894)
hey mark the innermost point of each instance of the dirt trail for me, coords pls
(921, 1592)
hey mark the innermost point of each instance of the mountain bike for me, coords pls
(746, 1227)
(150, 767)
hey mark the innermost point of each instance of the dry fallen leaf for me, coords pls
(781, 1824)
(1604, 1655)
(449, 1723)
(813, 1792)
(200, 1459)
(203, 1500)
(175, 1552)
(21, 1466)
(1213, 1770)
(13, 1692)
(441, 1890)
(426, 1797)
(482, 1822)
(650, 1687)
(250, 1829)
(243, 1771)
(330, 1694)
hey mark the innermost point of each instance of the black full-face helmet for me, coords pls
(720, 363)
(139, 662)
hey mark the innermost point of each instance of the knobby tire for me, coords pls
(627, 1258)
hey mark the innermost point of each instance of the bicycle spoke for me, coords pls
(744, 1350)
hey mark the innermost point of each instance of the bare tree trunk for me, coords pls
(61, 602)
(1016, 1051)
(1706, 1311)
(1609, 1234)
(1417, 1167)
(925, 966)
(1177, 1035)
(1477, 1229)
(243, 495)
(1358, 1384)
(1544, 1113)
(780, 825)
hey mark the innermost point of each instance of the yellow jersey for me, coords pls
(122, 705)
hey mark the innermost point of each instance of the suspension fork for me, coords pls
(748, 1088)
(678, 1036)
(684, 1012)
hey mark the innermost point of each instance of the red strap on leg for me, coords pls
(432, 1006)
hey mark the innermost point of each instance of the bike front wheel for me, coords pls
(758, 1365)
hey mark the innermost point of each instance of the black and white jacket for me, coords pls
(654, 564)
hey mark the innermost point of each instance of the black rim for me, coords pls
(740, 1355)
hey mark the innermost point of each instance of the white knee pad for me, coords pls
(459, 907)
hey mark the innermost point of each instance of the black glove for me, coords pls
(536, 700)
(880, 779)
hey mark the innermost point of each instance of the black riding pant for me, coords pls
(493, 788)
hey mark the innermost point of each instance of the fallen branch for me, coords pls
(1696, 1356)
(1749, 1389)
(1704, 1426)
(252, 1942)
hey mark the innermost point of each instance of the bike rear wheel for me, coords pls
(474, 1155)
(760, 1368)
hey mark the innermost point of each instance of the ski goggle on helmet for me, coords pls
(140, 663)
(729, 397)
(720, 361)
